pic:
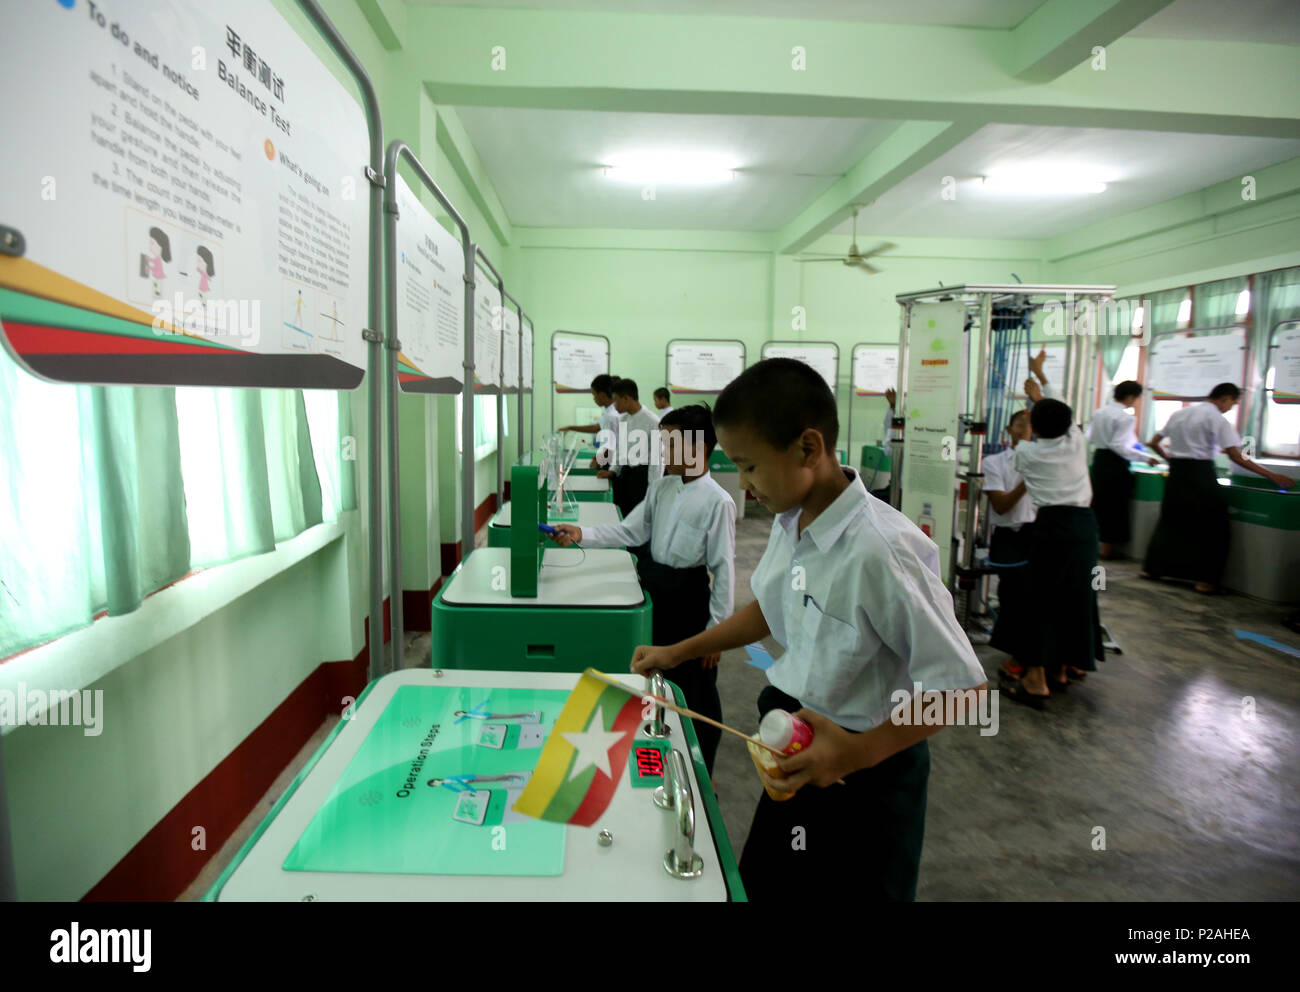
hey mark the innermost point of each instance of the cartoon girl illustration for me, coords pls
(203, 262)
(298, 310)
(160, 250)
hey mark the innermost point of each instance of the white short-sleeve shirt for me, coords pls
(1199, 431)
(857, 602)
(1001, 476)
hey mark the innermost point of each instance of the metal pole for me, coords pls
(372, 334)
(532, 390)
(896, 426)
(978, 431)
(519, 390)
(468, 403)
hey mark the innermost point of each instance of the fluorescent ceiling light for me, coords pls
(669, 167)
(1037, 182)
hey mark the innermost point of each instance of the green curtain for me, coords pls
(1276, 299)
(1164, 310)
(111, 493)
(1214, 304)
(1116, 334)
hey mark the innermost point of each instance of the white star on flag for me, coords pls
(593, 746)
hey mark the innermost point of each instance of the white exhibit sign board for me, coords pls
(430, 299)
(875, 369)
(934, 386)
(528, 358)
(1188, 364)
(575, 361)
(703, 366)
(510, 346)
(487, 334)
(1285, 361)
(825, 358)
(189, 181)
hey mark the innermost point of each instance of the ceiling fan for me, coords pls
(854, 258)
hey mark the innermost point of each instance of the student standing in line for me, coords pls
(1012, 513)
(1191, 539)
(851, 588)
(607, 426)
(1113, 435)
(1064, 639)
(636, 449)
(689, 522)
(663, 401)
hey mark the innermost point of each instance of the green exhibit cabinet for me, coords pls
(411, 799)
(1264, 549)
(589, 515)
(875, 467)
(589, 611)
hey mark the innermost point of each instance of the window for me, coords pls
(1128, 364)
(485, 424)
(1282, 406)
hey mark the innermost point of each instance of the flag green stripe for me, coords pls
(569, 796)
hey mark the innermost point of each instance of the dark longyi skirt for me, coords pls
(1065, 626)
(1191, 539)
(1009, 555)
(1112, 490)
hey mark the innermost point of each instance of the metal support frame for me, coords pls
(501, 373)
(398, 150)
(375, 358)
(519, 388)
(979, 300)
(531, 390)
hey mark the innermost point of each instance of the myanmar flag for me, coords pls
(584, 756)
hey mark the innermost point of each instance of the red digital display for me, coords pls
(649, 762)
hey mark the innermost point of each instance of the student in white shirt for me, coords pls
(851, 588)
(689, 523)
(1113, 435)
(606, 428)
(1191, 539)
(663, 401)
(1012, 513)
(1064, 640)
(636, 448)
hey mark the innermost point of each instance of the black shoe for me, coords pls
(1020, 694)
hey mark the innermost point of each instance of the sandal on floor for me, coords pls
(1020, 694)
(1007, 676)
(1075, 674)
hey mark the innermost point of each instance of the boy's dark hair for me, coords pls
(164, 243)
(1225, 389)
(602, 383)
(1016, 416)
(625, 387)
(206, 255)
(1127, 389)
(662, 394)
(689, 419)
(780, 398)
(1051, 418)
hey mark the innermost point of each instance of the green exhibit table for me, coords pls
(589, 612)
(1264, 551)
(875, 466)
(589, 515)
(411, 799)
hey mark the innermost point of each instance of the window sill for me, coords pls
(83, 657)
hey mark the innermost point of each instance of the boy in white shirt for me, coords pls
(1012, 513)
(636, 448)
(663, 401)
(1191, 539)
(1113, 435)
(688, 522)
(851, 588)
(1064, 640)
(606, 427)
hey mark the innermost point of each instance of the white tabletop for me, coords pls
(589, 515)
(585, 577)
(629, 870)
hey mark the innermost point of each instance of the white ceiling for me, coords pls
(1142, 168)
(1265, 21)
(546, 165)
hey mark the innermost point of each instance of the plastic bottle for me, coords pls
(926, 520)
(785, 732)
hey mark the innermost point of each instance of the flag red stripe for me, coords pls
(602, 786)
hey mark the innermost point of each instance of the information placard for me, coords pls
(825, 358)
(510, 354)
(528, 357)
(430, 300)
(1188, 364)
(875, 369)
(575, 361)
(934, 376)
(189, 181)
(487, 334)
(703, 366)
(1286, 362)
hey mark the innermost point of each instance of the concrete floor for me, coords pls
(1169, 775)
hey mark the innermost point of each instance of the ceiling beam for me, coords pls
(1061, 34)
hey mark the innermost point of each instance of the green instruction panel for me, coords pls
(432, 789)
